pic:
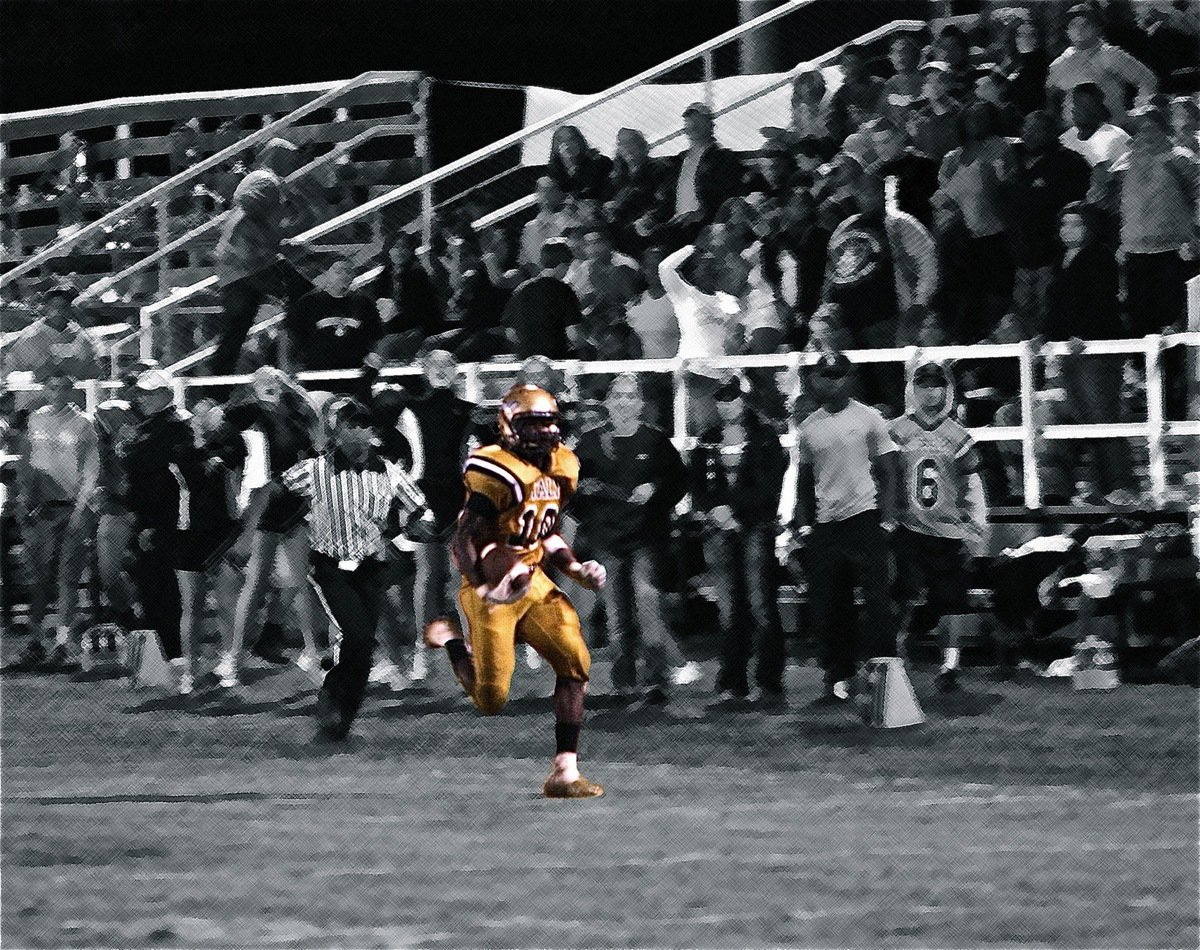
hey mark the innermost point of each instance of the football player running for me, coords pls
(515, 494)
(942, 515)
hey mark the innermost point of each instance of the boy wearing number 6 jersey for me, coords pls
(941, 514)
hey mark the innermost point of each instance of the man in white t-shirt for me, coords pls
(1091, 135)
(845, 506)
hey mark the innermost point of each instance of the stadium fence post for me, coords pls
(1032, 484)
(145, 341)
(1155, 419)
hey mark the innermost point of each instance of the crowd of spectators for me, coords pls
(997, 185)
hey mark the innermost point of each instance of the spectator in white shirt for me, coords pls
(1091, 134)
(551, 221)
(1090, 59)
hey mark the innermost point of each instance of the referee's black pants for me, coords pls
(841, 554)
(352, 598)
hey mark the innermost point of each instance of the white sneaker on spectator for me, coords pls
(182, 668)
(690, 672)
(388, 674)
(226, 671)
(533, 659)
(420, 664)
(310, 664)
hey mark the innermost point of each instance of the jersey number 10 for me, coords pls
(537, 525)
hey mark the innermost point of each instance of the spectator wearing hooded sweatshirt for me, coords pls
(248, 263)
(941, 514)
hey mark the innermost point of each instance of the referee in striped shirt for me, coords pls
(356, 503)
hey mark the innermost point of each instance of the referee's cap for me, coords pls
(349, 411)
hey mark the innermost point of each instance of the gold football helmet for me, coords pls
(529, 421)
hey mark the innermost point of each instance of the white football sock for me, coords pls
(950, 658)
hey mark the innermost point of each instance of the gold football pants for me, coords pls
(544, 618)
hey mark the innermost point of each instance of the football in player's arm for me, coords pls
(508, 527)
(942, 516)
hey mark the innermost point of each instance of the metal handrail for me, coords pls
(425, 181)
(331, 156)
(522, 204)
(149, 196)
(1155, 429)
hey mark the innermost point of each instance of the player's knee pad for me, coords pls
(489, 698)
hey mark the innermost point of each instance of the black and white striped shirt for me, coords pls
(349, 505)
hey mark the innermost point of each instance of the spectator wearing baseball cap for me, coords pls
(845, 504)
(55, 341)
(1090, 59)
(934, 128)
(56, 482)
(1160, 240)
(992, 86)
(177, 494)
(702, 178)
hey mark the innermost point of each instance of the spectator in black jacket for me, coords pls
(631, 477)
(177, 491)
(333, 326)
(579, 170)
(541, 311)
(474, 307)
(736, 477)
(1051, 177)
(702, 179)
(633, 199)
(916, 174)
(1083, 304)
(408, 299)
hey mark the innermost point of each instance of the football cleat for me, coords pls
(528, 421)
(689, 673)
(558, 787)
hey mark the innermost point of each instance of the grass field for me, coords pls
(1022, 815)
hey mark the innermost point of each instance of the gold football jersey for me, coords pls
(530, 501)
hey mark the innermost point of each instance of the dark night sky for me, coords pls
(61, 52)
(58, 52)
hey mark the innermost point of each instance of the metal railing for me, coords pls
(422, 187)
(703, 53)
(171, 186)
(1155, 430)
